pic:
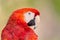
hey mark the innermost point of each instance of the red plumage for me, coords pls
(17, 28)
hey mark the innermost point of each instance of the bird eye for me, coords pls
(29, 13)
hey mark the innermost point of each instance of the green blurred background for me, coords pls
(49, 18)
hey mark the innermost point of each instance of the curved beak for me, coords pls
(37, 21)
(34, 22)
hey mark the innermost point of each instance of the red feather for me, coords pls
(17, 28)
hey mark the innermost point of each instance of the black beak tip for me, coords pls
(34, 27)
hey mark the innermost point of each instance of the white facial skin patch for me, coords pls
(29, 16)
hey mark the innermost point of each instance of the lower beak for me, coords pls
(32, 22)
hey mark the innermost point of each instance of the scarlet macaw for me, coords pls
(19, 25)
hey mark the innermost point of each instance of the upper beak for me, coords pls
(37, 21)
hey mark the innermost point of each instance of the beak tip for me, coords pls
(34, 27)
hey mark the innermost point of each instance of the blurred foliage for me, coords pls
(9, 5)
(57, 6)
(30, 2)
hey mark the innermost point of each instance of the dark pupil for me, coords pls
(29, 13)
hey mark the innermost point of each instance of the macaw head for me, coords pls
(28, 16)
